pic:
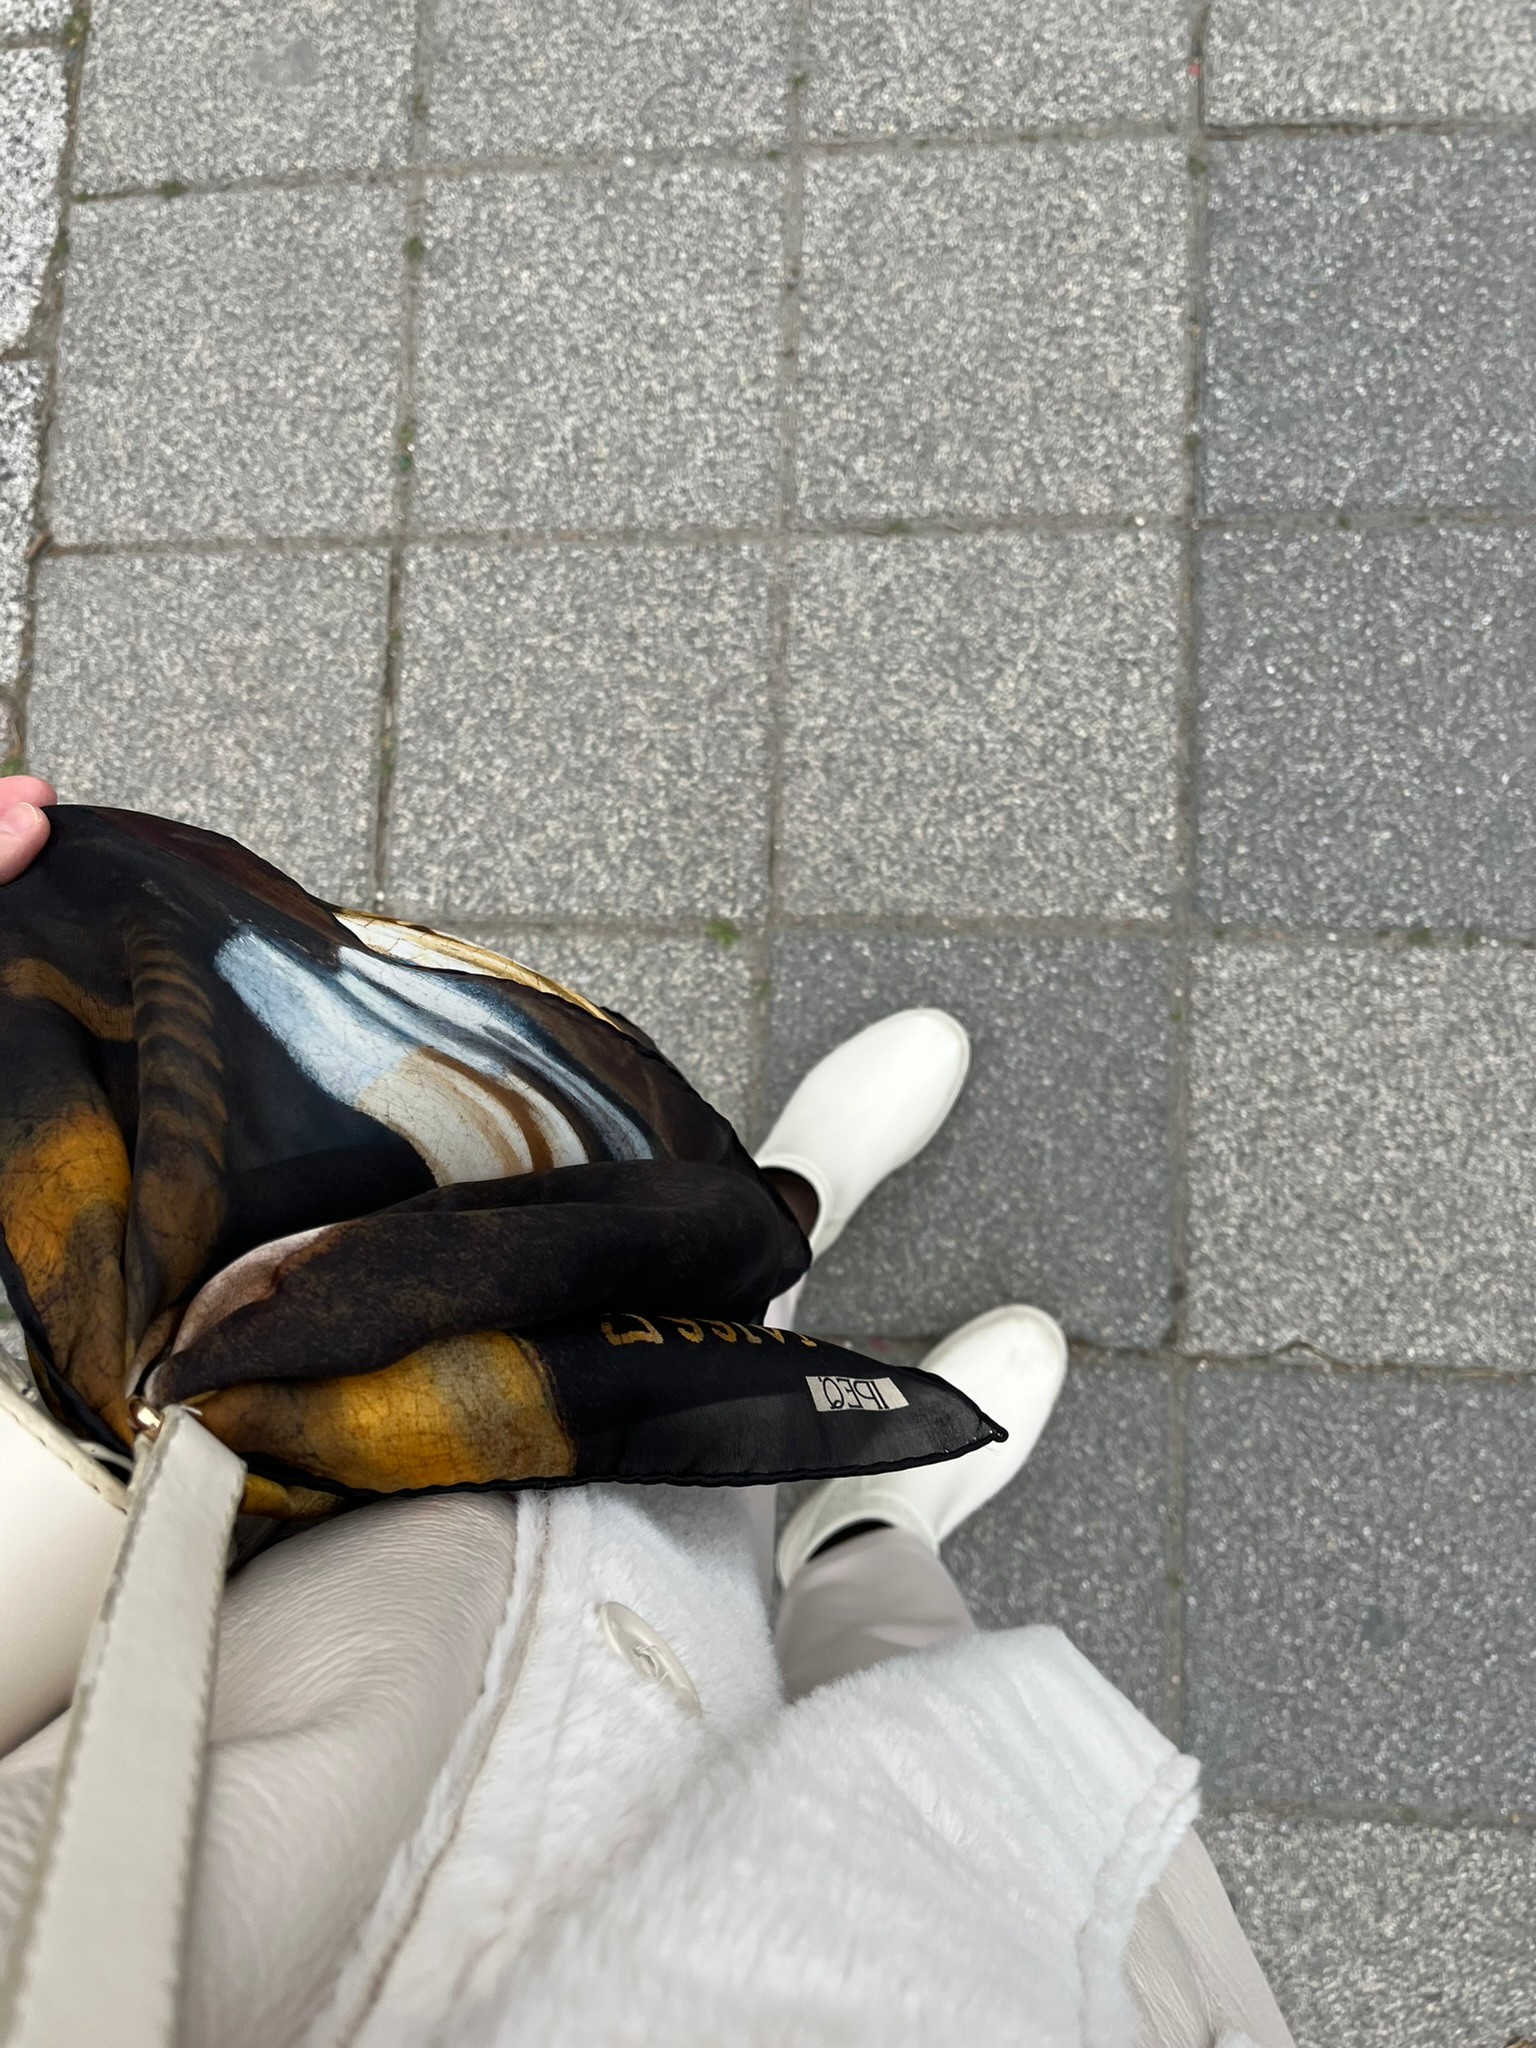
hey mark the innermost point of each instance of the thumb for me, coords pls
(23, 835)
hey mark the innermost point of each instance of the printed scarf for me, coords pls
(391, 1213)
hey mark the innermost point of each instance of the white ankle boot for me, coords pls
(871, 1105)
(1012, 1362)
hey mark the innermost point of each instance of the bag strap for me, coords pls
(98, 1950)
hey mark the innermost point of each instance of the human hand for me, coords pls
(23, 828)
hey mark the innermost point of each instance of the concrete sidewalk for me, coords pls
(780, 512)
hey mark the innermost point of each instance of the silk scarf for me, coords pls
(390, 1212)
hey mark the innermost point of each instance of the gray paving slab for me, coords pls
(21, 388)
(943, 67)
(696, 997)
(1371, 323)
(600, 349)
(1078, 1538)
(1050, 1181)
(1375, 60)
(508, 80)
(214, 89)
(33, 17)
(1361, 1172)
(228, 366)
(31, 138)
(993, 332)
(1365, 730)
(1377, 1936)
(583, 733)
(1360, 1558)
(239, 692)
(982, 725)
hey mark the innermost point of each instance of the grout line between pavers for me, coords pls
(1440, 1819)
(1184, 936)
(42, 343)
(1347, 130)
(997, 925)
(781, 599)
(1175, 1555)
(404, 458)
(955, 526)
(1150, 129)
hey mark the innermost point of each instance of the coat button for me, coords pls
(647, 1653)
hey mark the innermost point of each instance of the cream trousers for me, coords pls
(1189, 1965)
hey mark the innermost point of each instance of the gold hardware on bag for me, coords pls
(147, 1420)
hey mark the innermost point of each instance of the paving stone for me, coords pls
(1360, 1557)
(239, 692)
(1386, 1937)
(1366, 734)
(993, 333)
(1305, 60)
(1361, 1177)
(33, 17)
(215, 89)
(21, 388)
(983, 725)
(510, 79)
(1050, 1181)
(600, 350)
(1078, 1538)
(31, 137)
(1371, 323)
(583, 733)
(696, 997)
(946, 66)
(228, 366)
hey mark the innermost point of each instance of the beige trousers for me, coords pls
(1188, 1964)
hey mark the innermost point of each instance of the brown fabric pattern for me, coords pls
(377, 1204)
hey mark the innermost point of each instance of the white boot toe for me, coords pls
(1012, 1362)
(871, 1105)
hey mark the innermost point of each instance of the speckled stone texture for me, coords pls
(561, 383)
(31, 137)
(510, 80)
(1366, 729)
(228, 366)
(946, 67)
(216, 89)
(983, 725)
(1360, 1555)
(1361, 1169)
(1371, 334)
(993, 333)
(1386, 1937)
(263, 671)
(20, 396)
(1078, 1540)
(780, 513)
(1050, 1182)
(1312, 60)
(582, 733)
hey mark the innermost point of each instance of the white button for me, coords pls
(646, 1652)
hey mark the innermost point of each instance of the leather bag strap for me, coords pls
(98, 1951)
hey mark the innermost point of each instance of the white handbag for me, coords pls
(61, 1521)
(116, 1854)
